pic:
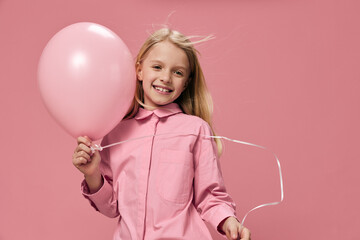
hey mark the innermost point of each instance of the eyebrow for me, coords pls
(177, 66)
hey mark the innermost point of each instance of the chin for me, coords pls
(162, 103)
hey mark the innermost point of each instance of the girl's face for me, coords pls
(164, 73)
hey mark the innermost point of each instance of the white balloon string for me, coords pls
(100, 148)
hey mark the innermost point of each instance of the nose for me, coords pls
(165, 76)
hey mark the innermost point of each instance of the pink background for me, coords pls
(284, 74)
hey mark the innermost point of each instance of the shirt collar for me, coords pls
(164, 111)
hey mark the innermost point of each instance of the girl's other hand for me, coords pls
(234, 231)
(88, 163)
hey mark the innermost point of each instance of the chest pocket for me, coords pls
(175, 175)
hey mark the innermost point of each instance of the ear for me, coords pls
(139, 71)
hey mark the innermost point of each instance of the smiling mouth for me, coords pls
(165, 90)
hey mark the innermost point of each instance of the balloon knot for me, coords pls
(96, 147)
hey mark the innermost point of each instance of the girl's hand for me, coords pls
(233, 230)
(88, 163)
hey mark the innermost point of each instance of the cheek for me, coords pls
(184, 84)
(180, 88)
(146, 84)
(147, 80)
(148, 76)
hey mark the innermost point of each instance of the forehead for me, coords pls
(168, 53)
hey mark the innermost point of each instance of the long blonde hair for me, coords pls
(195, 99)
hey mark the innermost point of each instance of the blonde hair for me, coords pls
(195, 99)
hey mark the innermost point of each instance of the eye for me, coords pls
(157, 67)
(179, 73)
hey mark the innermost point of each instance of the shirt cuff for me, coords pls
(100, 197)
(219, 214)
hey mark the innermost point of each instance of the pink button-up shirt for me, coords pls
(162, 187)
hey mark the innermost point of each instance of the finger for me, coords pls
(89, 139)
(79, 161)
(245, 233)
(83, 147)
(84, 155)
(232, 233)
(85, 140)
(228, 235)
(81, 155)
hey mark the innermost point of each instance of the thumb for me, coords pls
(96, 156)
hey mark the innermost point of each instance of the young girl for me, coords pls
(163, 186)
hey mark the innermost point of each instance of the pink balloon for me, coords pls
(87, 79)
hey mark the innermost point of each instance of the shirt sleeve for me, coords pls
(210, 197)
(105, 199)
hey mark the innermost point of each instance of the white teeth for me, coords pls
(162, 89)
